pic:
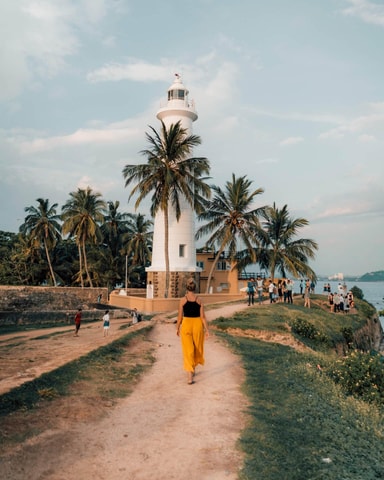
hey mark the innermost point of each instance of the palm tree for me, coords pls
(139, 244)
(82, 214)
(278, 248)
(43, 227)
(171, 175)
(232, 220)
(114, 227)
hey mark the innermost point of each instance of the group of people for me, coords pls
(341, 300)
(136, 317)
(280, 292)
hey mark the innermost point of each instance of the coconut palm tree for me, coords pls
(114, 227)
(231, 219)
(42, 226)
(280, 249)
(139, 244)
(171, 175)
(81, 215)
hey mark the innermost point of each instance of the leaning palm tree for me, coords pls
(231, 220)
(280, 249)
(171, 175)
(82, 214)
(43, 227)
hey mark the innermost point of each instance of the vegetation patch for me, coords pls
(308, 418)
(360, 374)
(300, 423)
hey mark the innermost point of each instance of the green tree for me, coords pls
(9, 271)
(114, 227)
(280, 249)
(81, 215)
(42, 226)
(138, 245)
(231, 220)
(171, 175)
(27, 261)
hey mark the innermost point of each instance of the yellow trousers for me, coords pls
(192, 342)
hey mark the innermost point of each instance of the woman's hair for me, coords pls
(191, 285)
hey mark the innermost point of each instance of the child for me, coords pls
(106, 323)
(77, 322)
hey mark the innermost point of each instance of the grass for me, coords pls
(301, 424)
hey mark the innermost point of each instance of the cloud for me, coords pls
(110, 135)
(366, 138)
(371, 121)
(291, 141)
(136, 70)
(366, 200)
(298, 116)
(367, 11)
(38, 37)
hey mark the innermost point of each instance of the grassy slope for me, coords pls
(301, 426)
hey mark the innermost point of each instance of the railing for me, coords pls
(249, 275)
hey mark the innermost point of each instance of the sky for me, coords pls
(288, 93)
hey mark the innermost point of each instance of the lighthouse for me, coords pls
(182, 250)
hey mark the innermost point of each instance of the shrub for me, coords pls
(360, 374)
(307, 330)
(347, 333)
(357, 292)
(304, 328)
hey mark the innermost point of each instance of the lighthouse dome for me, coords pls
(177, 91)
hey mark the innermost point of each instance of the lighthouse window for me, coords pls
(182, 250)
(176, 95)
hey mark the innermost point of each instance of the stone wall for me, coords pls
(29, 305)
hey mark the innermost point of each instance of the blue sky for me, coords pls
(289, 93)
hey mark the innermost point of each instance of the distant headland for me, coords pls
(367, 277)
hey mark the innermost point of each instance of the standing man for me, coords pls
(289, 288)
(77, 322)
(251, 292)
(259, 286)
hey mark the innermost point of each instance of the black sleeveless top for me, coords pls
(191, 309)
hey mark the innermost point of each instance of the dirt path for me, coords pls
(165, 429)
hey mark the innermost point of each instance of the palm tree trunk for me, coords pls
(50, 263)
(213, 267)
(166, 251)
(86, 266)
(81, 265)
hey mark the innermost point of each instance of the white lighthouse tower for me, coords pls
(182, 250)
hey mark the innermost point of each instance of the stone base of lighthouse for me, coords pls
(177, 283)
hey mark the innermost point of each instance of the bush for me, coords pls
(347, 333)
(360, 374)
(357, 293)
(306, 329)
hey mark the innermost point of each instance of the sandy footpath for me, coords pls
(166, 429)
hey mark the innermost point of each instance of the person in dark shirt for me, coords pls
(77, 322)
(192, 327)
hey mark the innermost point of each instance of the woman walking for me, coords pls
(191, 325)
